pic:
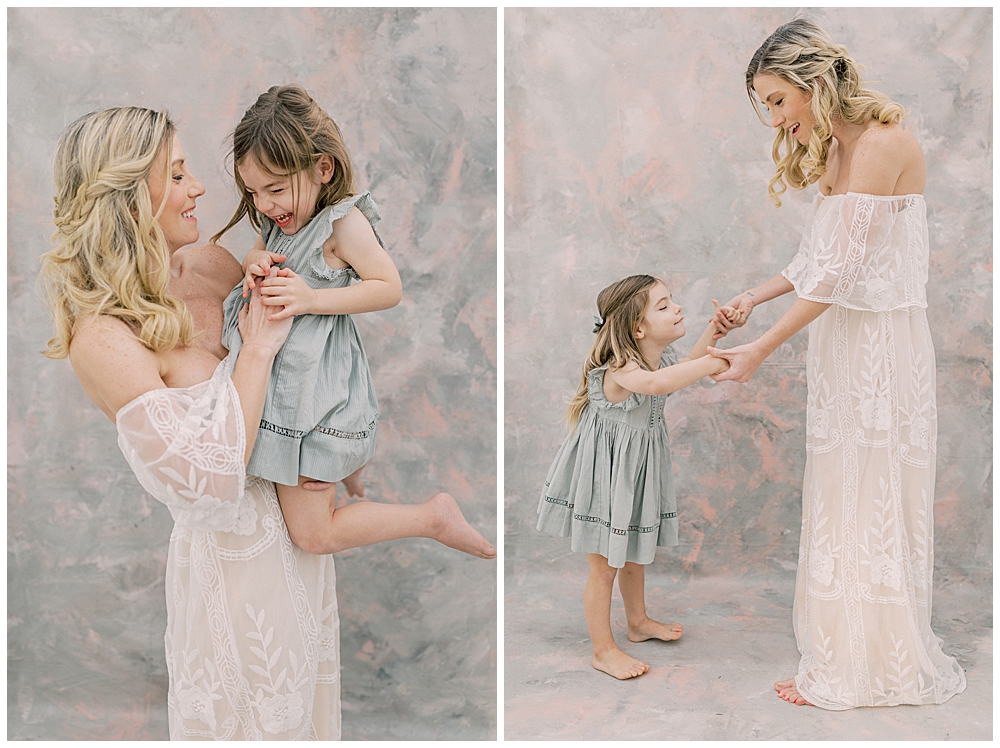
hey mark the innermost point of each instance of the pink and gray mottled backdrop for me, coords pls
(631, 147)
(414, 91)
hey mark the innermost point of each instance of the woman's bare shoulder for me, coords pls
(886, 157)
(112, 364)
(212, 262)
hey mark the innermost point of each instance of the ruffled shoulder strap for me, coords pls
(324, 220)
(364, 203)
(595, 392)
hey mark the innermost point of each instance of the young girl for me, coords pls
(318, 426)
(611, 487)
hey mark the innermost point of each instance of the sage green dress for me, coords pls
(611, 487)
(320, 415)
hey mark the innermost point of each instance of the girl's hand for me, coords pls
(744, 360)
(734, 314)
(287, 289)
(259, 328)
(256, 264)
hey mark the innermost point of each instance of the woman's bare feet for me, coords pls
(452, 529)
(353, 483)
(789, 692)
(616, 663)
(650, 629)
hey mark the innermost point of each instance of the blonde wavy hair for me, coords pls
(286, 131)
(804, 55)
(109, 254)
(621, 307)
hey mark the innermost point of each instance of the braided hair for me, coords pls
(621, 307)
(109, 254)
(804, 55)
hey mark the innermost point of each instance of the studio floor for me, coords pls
(716, 683)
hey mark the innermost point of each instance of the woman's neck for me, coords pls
(847, 134)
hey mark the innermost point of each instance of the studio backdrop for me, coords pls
(631, 147)
(414, 92)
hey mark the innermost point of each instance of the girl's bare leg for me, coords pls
(317, 526)
(353, 483)
(632, 583)
(608, 658)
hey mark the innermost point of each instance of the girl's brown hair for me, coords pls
(621, 306)
(109, 254)
(804, 55)
(286, 131)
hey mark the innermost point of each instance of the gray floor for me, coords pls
(716, 682)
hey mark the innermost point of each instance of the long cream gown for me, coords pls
(253, 640)
(866, 556)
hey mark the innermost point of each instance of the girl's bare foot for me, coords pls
(353, 483)
(452, 529)
(650, 629)
(616, 663)
(789, 692)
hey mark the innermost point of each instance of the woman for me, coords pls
(863, 589)
(252, 639)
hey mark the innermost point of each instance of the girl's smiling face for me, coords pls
(663, 321)
(788, 106)
(174, 200)
(289, 200)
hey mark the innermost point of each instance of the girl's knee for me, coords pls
(600, 568)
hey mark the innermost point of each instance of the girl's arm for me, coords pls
(352, 242)
(746, 301)
(746, 359)
(700, 348)
(633, 378)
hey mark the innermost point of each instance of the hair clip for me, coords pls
(598, 324)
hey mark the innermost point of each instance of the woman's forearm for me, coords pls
(777, 286)
(251, 376)
(801, 314)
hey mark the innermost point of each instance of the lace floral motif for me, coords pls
(252, 640)
(864, 252)
(863, 592)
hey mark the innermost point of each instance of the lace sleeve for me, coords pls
(186, 447)
(864, 252)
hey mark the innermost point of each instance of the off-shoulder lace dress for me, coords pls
(321, 413)
(862, 607)
(610, 487)
(252, 640)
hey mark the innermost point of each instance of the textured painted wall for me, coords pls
(630, 146)
(414, 92)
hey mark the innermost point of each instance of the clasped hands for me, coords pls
(286, 288)
(743, 360)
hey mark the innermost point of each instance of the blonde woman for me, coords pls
(252, 640)
(863, 589)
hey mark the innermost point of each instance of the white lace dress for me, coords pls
(252, 641)
(866, 555)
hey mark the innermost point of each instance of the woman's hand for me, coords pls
(287, 289)
(744, 360)
(734, 314)
(259, 327)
